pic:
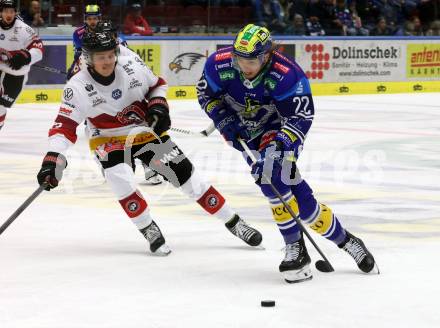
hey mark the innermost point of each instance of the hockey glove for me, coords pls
(289, 143)
(51, 170)
(19, 58)
(231, 128)
(271, 162)
(158, 114)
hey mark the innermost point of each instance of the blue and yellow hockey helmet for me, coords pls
(92, 10)
(252, 41)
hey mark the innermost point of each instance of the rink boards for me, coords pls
(334, 65)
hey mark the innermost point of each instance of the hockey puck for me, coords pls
(267, 303)
(323, 266)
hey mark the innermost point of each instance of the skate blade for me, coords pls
(153, 180)
(259, 247)
(295, 276)
(163, 250)
(152, 183)
(375, 269)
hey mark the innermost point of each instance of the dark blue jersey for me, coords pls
(278, 98)
(77, 40)
(78, 35)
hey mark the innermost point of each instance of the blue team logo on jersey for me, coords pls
(116, 94)
(2, 36)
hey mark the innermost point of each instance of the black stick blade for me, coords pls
(323, 266)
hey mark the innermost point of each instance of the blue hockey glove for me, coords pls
(289, 143)
(271, 162)
(231, 128)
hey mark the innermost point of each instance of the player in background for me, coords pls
(92, 16)
(105, 26)
(20, 47)
(118, 96)
(255, 93)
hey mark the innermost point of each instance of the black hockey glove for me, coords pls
(158, 115)
(51, 170)
(19, 58)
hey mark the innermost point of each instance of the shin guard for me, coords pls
(328, 225)
(286, 223)
(207, 197)
(121, 180)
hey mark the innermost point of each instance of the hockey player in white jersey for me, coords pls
(20, 47)
(151, 177)
(118, 96)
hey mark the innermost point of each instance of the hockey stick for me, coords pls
(328, 266)
(210, 129)
(23, 206)
(204, 133)
(51, 69)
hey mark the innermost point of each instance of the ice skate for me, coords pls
(157, 242)
(295, 266)
(357, 250)
(152, 178)
(243, 231)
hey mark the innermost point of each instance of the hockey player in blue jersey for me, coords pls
(255, 93)
(102, 26)
(93, 23)
(92, 16)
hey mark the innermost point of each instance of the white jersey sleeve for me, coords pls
(71, 113)
(21, 36)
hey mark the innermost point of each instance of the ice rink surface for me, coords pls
(73, 259)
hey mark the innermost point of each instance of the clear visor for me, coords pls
(101, 57)
(242, 63)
